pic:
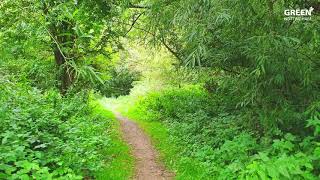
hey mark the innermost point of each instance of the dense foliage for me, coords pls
(258, 116)
(119, 84)
(266, 61)
(219, 139)
(45, 136)
(53, 53)
(233, 84)
(79, 38)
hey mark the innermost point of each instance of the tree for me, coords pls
(79, 31)
(78, 34)
(266, 60)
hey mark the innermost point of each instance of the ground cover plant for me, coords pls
(219, 143)
(45, 136)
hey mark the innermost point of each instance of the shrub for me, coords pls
(225, 145)
(45, 136)
(120, 83)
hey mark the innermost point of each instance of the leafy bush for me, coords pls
(119, 84)
(45, 136)
(174, 103)
(223, 144)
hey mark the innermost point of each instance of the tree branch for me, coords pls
(134, 22)
(230, 70)
(171, 50)
(137, 6)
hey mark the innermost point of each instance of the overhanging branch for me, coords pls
(134, 22)
(138, 6)
(170, 50)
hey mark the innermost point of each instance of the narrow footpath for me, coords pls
(147, 167)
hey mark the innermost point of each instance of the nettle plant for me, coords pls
(47, 136)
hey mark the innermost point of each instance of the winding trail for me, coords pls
(147, 167)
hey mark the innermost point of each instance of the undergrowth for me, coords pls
(199, 139)
(46, 136)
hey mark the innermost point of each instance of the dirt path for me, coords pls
(147, 167)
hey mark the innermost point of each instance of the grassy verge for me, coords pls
(120, 165)
(183, 167)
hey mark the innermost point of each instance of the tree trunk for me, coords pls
(65, 75)
(65, 72)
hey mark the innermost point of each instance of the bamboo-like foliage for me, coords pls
(270, 64)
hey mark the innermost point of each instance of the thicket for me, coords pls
(257, 117)
(268, 65)
(52, 55)
(205, 131)
(119, 84)
(45, 136)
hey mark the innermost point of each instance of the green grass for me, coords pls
(185, 168)
(120, 165)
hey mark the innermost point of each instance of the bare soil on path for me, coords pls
(147, 167)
